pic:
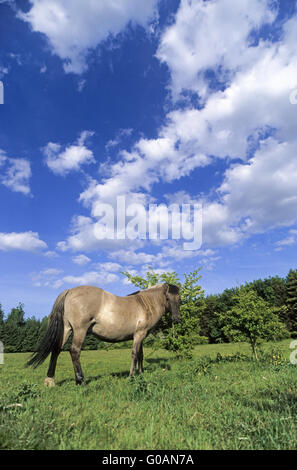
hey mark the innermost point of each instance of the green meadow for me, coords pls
(219, 399)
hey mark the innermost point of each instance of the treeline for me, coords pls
(22, 335)
(279, 293)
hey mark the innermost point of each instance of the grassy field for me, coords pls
(208, 402)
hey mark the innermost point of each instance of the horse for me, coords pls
(110, 317)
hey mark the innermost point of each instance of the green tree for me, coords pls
(1, 324)
(1, 316)
(251, 319)
(272, 290)
(291, 287)
(13, 329)
(16, 316)
(209, 325)
(152, 278)
(30, 334)
(181, 337)
(214, 305)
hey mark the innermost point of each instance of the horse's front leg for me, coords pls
(137, 350)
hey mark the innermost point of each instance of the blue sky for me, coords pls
(164, 101)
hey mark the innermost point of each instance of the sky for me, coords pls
(162, 102)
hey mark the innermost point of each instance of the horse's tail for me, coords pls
(53, 338)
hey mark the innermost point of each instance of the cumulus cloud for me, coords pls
(290, 240)
(213, 35)
(98, 277)
(232, 122)
(25, 241)
(104, 273)
(15, 173)
(73, 28)
(245, 118)
(109, 266)
(91, 277)
(71, 158)
(81, 259)
(85, 236)
(45, 277)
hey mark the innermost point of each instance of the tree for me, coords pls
(272, 290)
(291, 287)
(1, 316)
(181, 337)
(13, 329)
(1, 324)
(251, 318)
(209, 325)
(30, 334)
(215, 304)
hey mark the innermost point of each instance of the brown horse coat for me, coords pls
(111, 318)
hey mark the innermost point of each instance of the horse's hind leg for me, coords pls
(75, 349)
(140, 359)
(49, 381)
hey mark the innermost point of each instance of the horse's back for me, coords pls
(82, 303)
(113, 317)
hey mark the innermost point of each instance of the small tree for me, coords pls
(181, 337)
(13, 329)
(291, 287)
(251, 318)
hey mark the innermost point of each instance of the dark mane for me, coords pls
(133, 293)
(173, 289)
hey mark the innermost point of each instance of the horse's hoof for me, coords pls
(49, 382)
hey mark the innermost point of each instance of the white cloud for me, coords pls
(25, 241)
(73, 27)
(250, 120)
(210, 35)
(81, 84)
(256, 196)
(103, 274)
(131, 257)
(290, 240)
(46, 277)
(51, 254)
(81, 259)
(122, 133)
(91, 278)
(151, 161)
(51, 272)
(171, 251)
(15, 173)
(84, 237)
(72, 158)
(3, 71)
(109, 266)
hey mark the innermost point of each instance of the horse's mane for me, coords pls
(147, 289)
(133, 293)
(147, 301)
(172, 289)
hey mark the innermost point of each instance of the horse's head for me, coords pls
(172, 296)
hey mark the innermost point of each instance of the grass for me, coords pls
(212, 401)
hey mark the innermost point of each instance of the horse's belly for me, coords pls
(112, 330)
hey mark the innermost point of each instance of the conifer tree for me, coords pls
(291, 286)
